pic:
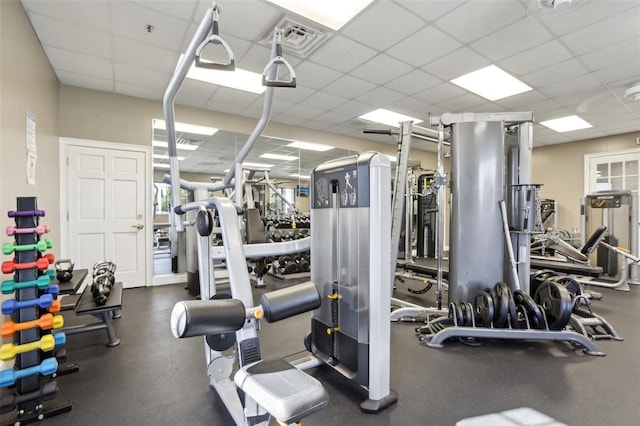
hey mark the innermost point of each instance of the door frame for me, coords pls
(65, 143)
(589, 157)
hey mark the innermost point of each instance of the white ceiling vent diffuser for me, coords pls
(299, 39)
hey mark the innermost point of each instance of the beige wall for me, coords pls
(560, 169)
(27, 82)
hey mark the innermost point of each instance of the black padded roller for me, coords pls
(290, 301)
(203, 317)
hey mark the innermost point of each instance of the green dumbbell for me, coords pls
(42, 245)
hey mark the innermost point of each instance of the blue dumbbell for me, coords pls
(54, 290)
(11, 305)
(46, 367)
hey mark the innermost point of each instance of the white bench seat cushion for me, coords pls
(287, 393)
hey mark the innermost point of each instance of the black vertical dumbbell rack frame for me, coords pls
(30, 410)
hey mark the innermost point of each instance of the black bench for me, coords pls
(72, 286)
(86, 305)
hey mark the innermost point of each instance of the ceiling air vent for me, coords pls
(299, 39)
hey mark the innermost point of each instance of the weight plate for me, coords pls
(539, 277)
(534, 313)
(484, 309)
(455, 313)
(555, 301)
(573, 287)
(502, 305)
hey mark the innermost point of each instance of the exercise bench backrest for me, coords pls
(255, 227)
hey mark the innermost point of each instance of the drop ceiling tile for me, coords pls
(331, 118)
(89, 14)
(324, 101)
(426, 45)
(183, 9)
(462, 103)
(599, 59)
(305, 112)
(374, 27)
(81, 80)
(137, 91)
(516, 102)
(293, 94)
(71, 37)
(78, 63)
(534, 59)
(349, 87)
(455, 64)
(190, 101)
(410, 106)
(429, 10)
(626, 72)
(197, 89)
(512, 40)
(555, 73)
(289, 119)
(582, 82)
(476, 19)
(353, 109)
(440, 93)
(381, 69)
(342, 54)
(128, 20)
(315, 76)
(413, 82)
(225, 95)
(546, 105)
(140, 77)
(155, 59)
(605, 33)
(581, 17)
(380, 97)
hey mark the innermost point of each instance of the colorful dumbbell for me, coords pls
(45, 368)
(55, 306)
(54, 290)
(11, 305)
(11, 266)
(10, 286)
(25, 213)
(45, 322)
(46, 344)
(40, 229)
(42, 245)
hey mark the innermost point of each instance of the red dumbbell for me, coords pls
(10, 266)
(40, 229)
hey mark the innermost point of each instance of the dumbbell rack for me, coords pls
(444, 328)
(35, 302)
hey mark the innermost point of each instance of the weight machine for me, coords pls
(262, 389)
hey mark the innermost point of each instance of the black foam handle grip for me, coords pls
(290, 301)
(178, 210)
(203, 317)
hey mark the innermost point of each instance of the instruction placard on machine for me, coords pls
(346, 179)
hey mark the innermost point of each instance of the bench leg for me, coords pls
(105, 317)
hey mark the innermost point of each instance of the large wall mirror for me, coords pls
(205, 155)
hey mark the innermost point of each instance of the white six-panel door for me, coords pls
(107, 201)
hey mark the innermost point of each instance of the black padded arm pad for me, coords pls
(594, 240)
(290, 301)
(204, 317)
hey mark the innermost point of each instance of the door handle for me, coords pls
(139, 226)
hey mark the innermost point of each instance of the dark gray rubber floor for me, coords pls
(152, 378)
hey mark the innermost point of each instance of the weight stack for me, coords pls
(33, 319)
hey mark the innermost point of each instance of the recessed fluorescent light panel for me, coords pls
(279, 157)
(330, 13)
(183, 146)
(566, 124)
(186, 127)
(239, 79)
(160, 166)
(247, 164)
(165, 157)
(296, 175)
(310, 146)
(390, 118)
(491, 83)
